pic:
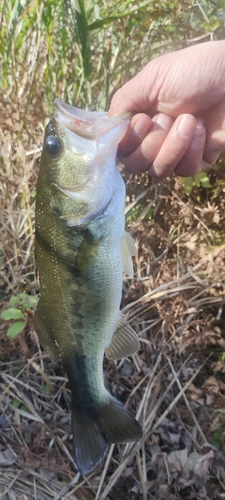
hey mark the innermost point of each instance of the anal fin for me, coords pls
(124, 342)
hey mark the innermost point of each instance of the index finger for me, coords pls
(138, 94)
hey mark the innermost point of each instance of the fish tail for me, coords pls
(90, 445)
(112, 423)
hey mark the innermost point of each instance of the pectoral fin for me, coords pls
(124, 342)
(128, 250)
(87, 254)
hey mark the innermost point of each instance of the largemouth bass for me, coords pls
(81, 252)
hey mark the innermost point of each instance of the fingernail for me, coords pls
(200, 127)
(164, 121)
(142, 126)
(186, 126)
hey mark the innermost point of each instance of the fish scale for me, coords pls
(81, 250)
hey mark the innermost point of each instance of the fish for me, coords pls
(81, 250)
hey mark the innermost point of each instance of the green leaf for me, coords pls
(134, 213)
(12, 313)
(45, 390)
(187, 183)
(15, 404)
(83, 34)
(16, 328)
(202, 179)
(218, 438)
(149, 214)
(28, 436)
(205, 182)
(23, 300)
(25, 408)
(13, 301)
(15, 372)
(100, 23)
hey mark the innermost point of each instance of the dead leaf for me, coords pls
(7, 457)
(203, 465)
(177, 459)
(180, 461)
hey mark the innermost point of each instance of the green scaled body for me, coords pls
(81, 252)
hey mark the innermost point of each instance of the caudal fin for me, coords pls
(113, 424)
(90, 445)
(117, 423)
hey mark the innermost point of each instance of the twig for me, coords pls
(104, 472)
(187, 403)
(140, 472)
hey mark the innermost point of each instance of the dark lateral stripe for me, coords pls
(43, 241)
(47, 247)
(77, 371)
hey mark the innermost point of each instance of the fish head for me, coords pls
(79, 154)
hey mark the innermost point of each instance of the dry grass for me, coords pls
(175, 384)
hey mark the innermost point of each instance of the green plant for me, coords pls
(198, 180)
(16, 312)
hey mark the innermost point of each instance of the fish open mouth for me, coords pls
(87, 124)
(93, 139)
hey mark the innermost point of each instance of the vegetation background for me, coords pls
(82, 51)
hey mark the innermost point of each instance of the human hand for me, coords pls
(179, 105)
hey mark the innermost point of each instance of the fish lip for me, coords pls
(69, 110)
(85, 123)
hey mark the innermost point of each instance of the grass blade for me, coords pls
(83, 34)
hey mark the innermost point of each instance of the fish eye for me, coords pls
(53, 145)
